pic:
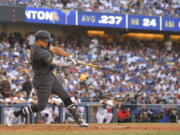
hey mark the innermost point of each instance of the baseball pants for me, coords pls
(45, 85)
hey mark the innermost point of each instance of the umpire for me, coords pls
(44, 80)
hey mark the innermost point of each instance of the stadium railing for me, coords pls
(89, 110)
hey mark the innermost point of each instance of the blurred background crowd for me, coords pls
(148, 74)
(142, 7)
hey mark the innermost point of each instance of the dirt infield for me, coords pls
(92, 127)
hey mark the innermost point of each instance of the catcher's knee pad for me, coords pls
(68, 102)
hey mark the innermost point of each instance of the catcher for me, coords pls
(44, 80)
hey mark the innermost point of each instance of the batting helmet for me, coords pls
(43, 35)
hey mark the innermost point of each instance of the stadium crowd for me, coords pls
(148, 74)
(142, 7)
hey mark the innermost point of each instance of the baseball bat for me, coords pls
(98, 67)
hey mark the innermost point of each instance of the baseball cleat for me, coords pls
(11, 118)
(83, 123)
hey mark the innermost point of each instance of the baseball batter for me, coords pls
(44, 80)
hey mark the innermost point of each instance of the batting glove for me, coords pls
(73, 60)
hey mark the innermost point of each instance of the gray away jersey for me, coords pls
(41, 59)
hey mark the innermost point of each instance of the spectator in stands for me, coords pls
(104, 112)
(56, 102)
(178, 108)
(11, 40)
(30, 40)
(27, 86)
(148, 73)
(123, 115)
(172, 115)
(19, 98)
(84, 97)
(83, 78)
(143, 7)
(5, 87)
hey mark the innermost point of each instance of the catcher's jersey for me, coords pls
(41, 59)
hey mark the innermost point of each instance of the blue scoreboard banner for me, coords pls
(171, 24)
(143, 22)
(71, 17)
(101, 19)
(93, 19)
(41, 15)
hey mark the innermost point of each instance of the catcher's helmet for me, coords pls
(43, 35)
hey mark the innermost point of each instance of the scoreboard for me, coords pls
(128, 21)
(12, 14)
(143, 22)
(41, 15)
(101, 19)
(89, 19)
(170, 24)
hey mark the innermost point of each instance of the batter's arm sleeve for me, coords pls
(59, 51)
(60, 64)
